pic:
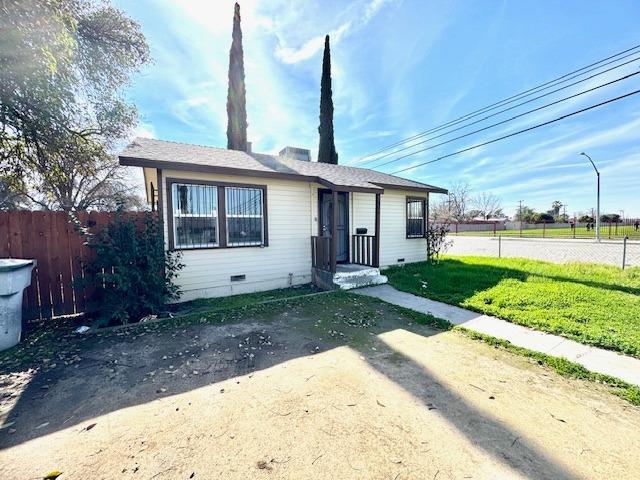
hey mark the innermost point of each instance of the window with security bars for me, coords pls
(195, 215)
(415, 218)
(244, 213)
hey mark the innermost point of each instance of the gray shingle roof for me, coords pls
(146, 152)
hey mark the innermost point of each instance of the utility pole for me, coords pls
(598, 196)
(520, 215)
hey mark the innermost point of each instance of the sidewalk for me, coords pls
(592, 358)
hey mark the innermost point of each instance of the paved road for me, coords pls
(552, 250)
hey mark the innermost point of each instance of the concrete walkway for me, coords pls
(595, 359)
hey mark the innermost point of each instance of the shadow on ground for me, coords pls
(477, 277)
(85, 377)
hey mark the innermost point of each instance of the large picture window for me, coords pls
(209, 214)
(416, 218)
(195, 215)
(244, 216)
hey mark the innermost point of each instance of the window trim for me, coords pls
(422, 200)
(222, 212)
(196, 215)
(226, 218)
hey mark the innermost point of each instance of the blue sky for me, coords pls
(400, 67)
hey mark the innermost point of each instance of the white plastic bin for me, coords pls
(15, 276)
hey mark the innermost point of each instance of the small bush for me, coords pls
(437, 243)
(131, 276)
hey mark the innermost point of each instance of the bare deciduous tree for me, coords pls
(454, 206)
(488, 205)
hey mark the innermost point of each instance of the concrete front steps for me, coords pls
(348, 276)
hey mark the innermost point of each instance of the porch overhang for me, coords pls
(425, 189)
(349, 188)
(365, 248)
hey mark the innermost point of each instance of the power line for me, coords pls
(516, 133)
(502, 122)
(513, 97)
(493, 115)
(507, 101)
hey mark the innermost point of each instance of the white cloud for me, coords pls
(291, 55)
(359, 17)
(145, 130)
(373, 7)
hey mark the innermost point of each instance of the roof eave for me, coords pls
(194, 167)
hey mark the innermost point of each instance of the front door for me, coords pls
(326, 219)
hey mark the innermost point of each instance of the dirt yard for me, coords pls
(334, 387)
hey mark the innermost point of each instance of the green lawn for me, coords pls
(593, 304)
(606, 232)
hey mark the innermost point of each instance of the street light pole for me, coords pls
(598, 204)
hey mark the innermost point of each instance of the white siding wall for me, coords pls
(207, 272)
(362, 212)
(292, 209)
(393, 241)
(313, 216)
(150, 177)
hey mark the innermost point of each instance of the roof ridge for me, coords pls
(175, 142)
(258, 153)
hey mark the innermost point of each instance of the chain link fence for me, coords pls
(621, 253)
(629, 228)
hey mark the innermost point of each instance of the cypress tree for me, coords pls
(327, 150)
(236, 96)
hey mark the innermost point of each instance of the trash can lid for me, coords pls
(9, 264)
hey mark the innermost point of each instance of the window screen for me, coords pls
(195, 215)
(415, 218)
(244, 212)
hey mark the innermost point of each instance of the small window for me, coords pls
(415, 217)
(195, 215)
(244, 211)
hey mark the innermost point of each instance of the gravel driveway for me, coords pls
(335, 387)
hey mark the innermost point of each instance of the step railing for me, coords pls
(321, 253)
(363, 250)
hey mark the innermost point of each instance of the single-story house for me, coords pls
(247, 222)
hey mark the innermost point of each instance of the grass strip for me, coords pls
(562, 366)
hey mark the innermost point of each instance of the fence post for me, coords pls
(499, 246)
(624, 251)
(544, 228)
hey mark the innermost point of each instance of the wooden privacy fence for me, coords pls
(51, 239)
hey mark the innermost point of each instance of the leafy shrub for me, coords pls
(131, 276)
(542, 218)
